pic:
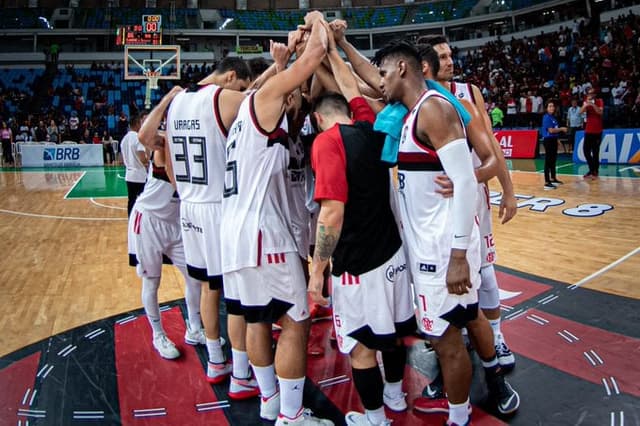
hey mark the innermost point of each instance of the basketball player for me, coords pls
(489, 294)
(262, 271)
(154, 230)
(441, 235)
(134, 157)
(371, 286)
(197, 124)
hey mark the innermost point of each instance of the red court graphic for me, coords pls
(147, 383)
(513, 284)
(18, 381)
(586, 352)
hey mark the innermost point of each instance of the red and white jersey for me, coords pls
(159, 197)
(197, 137)
(255, 208)
(427, 217)
(462, 91)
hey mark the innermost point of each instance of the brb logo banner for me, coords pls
(61, 154)
(517, 143)
(620, 146)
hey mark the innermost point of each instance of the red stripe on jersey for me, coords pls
(254, 118)
(269, 259)
(428, 156)
(216, 112)
(486, 193)
(282, 258)
(259, 248)
(136, 223)
(357, 277)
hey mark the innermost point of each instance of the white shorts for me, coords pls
(201, 238)
(485, 225)
(149, 238)
(374, 308)
(263, 294)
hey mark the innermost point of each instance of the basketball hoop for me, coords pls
(152, 77)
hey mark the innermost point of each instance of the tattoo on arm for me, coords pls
(326, 242)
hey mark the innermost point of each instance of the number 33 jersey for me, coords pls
(197, 140)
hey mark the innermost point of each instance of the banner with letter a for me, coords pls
(618, 146)
(517, 143)
(36, 155)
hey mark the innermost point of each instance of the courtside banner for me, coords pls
(517, 143)
(36, 155)
(618, 146)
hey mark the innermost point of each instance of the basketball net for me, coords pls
(152, 77)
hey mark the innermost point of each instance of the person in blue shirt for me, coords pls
(550, 131)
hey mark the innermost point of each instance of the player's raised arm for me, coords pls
(149, 134)
(271, 97)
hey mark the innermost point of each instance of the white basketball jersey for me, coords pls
(159, 198)
(298, 195)
(427, 217)
(255, 207)
(463, 91)
(196, 138)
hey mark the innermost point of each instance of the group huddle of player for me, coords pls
(374, 164)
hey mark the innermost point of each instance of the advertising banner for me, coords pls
(517, 143)
(37, 155)
(618, 146)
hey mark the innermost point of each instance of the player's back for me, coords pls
(197, 140)
(255, 209)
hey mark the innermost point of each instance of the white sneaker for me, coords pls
(240, 389)
(165, 347)
(395, 403)
(270, 407)
(305, 417)
(353, 418)
(195, 337)
(217, 373)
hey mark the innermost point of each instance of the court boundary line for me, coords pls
(606, 268)
(106, 206)
(48, 216)
(571, 174)
(75, 184)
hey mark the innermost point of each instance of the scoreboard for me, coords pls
(148, 33)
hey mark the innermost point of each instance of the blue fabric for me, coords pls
(464, 115)
(390, 120)
(549, 122)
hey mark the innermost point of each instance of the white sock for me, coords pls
(393, 389)
(150, 302)
(192, 292)
(291, 396)
(266, 378)
(240, 364)
(495, 325)
(459, 413)
(215, 351)
(376, 417)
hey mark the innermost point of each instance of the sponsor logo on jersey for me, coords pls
(392, 271)
(428, 268)
(187, 226)
(427, 324)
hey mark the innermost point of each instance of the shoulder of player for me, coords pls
(436, 108)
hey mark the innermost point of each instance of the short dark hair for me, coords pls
(432, 39)
(429, 55)
(233, 63)
(135, 118)
(402, 49)
(257, 66)
(331, 102)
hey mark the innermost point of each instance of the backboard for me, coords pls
(162, 61)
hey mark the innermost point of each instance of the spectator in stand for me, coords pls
(497, 116)
(41, 132)
(575, 120)
(107, 148)
(593, 107)
(74, 127)
(550, 131)
(86, 137)
(512, 112)
(53, 132)
(7, 140)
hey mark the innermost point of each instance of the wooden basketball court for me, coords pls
(64, 273)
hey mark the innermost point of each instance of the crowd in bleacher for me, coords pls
(516, 76)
